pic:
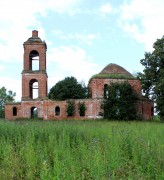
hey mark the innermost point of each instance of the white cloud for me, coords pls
(106, 8)
(18, 8)
(83, 38)
(62, 6)
(2, 67)
(143, 20)
(79, 37)
(18, 17)
(13, 85)
(70, 61)
(75, 8)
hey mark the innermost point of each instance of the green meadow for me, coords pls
(70, 150)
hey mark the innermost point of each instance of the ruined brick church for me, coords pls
(36, 81)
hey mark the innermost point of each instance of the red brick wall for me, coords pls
(46, 109)
(42, 84)
(40, 48)
(9, 111)
(146, 109)
(97, 86)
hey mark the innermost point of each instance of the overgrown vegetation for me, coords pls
(70, 107)
(69, 88)
(112, 76)
(120, 102)
(81, 150)
(152, 77)
(82, 108)
(5, 96)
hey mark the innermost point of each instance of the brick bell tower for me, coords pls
(34, 75)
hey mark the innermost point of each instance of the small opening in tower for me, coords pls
(34, 60)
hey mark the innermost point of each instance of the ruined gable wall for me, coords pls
(96, 86)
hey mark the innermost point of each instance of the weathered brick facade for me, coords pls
(97, 86)
(36, 79)
(34, 50)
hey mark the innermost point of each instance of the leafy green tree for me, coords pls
(120, 104)
(152, 78)
(68, 88)
(70, 107)
(5, 96)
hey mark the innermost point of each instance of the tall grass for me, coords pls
(81, 150)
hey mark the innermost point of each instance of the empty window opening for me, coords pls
(152, 111)
(34, 61)
(14, 111)
(106, 91)
(57, 111)
(34, 89)
(34, 112)
(117, 112)
(82, 113)
(118, 94)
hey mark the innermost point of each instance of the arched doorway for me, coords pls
(34, 112)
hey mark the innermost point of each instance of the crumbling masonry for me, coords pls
(34, 88)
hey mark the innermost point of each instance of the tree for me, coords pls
(152, 78)
(120, 102)
(68, 88)
(5, 96)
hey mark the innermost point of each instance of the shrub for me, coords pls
(81, 108)
(70, 107)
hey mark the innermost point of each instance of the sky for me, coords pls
(82, 36)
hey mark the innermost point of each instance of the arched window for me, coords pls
(106, 91)
(14, 111)
(34, 60)
(34, 112)
(34, 89)
(57, 111)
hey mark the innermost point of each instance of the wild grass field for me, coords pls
(81, 150)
